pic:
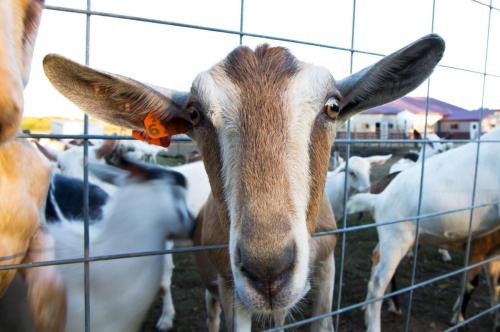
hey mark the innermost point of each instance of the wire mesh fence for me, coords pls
(346, 143)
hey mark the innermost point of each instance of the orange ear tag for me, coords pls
(159, 134)
(142, 136)
(156, 129)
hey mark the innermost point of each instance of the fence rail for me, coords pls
(346, 138)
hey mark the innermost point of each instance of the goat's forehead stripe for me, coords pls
(264, 65)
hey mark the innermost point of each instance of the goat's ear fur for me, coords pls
(378, 160)
(109, 97)
(392, 77)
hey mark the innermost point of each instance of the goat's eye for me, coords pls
(195, 116)
(332, 108)
(352, 174)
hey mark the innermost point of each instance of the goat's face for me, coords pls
(264, 123)
(19, 21)
(358, 176)
(265, 111)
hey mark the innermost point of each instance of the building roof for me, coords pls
(417, 105)
(468, 115)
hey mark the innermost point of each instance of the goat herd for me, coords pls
(264, 123)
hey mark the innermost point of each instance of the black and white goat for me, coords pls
(149, 207)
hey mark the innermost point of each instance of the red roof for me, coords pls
(468, 115)
(415, 105)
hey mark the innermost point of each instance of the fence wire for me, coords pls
(348, 141)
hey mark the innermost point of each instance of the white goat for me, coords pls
(358, 180)
(149, 207)
(447, 185)
(198, 190)
(70, 162)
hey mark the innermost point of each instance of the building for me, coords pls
(463, 125)
(398, 120)
(75, 127)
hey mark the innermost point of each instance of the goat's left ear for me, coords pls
(378, 160)
(392, 77)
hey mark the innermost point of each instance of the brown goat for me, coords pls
(24, 173)
(264, 123)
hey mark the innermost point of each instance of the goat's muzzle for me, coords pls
(268, 276)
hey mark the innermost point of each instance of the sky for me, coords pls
(172, 56)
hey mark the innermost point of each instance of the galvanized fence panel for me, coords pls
(347, 141)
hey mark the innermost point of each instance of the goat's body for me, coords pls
(24, 175)
(24, 178)
(141, 285)
(129, 225)
(65, 199)
(334, 187)
(198, 184)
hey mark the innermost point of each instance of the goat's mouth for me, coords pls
(266, 298)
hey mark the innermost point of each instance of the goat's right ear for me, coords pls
(113, 98)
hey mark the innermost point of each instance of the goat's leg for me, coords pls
(213, 311)
(243, 318)
(393, 305)
(166, 320)
(493, 269)
(393, 247)
(46, 292)
(472, 280)
(459, 312)
(393, 301)
(445, 255)
(323, 294)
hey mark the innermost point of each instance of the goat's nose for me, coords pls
(268, 273)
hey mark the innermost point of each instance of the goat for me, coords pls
(435, 146)
(71, 162)
(452, 190)
(149, 207)
(24, 174)
(264, 123)
(198, 190)
(358, 180)
(481, 248)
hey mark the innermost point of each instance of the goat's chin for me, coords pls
(256, 303)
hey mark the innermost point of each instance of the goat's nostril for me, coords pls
(267, 274)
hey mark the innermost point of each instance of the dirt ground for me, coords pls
(431, 304)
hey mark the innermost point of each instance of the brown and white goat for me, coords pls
(24, 173)
(264, 123)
